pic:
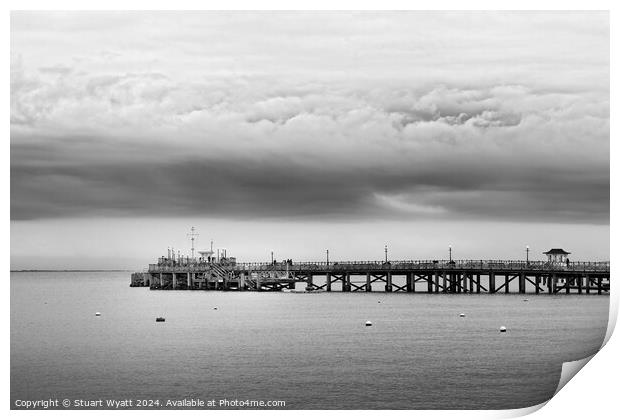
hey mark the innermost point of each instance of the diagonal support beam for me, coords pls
(506, 282)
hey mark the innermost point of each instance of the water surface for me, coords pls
(311, 350)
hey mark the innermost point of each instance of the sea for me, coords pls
(308, 350)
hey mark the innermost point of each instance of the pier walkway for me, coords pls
(427, 276)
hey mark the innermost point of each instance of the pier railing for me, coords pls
(338, 266)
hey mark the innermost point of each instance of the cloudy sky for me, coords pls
(297, 132)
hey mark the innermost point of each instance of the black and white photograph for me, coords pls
(305, 209)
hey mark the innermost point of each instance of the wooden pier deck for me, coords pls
(423, 276)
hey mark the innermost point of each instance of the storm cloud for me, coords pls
(311, 116)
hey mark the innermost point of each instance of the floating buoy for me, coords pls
(525, 300)
(160, 319)
(378, 301)
(215, 309)
(368, 324)
(502, 329)
(462, 315)
(97, 313)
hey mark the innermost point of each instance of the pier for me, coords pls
(422, 276)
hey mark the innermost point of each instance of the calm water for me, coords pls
(310, 350)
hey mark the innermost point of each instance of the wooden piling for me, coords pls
(368, 283)
(553, 281)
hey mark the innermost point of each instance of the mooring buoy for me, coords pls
(160, 319)
(502, 329)
(97, 313)
(215, 309)
(462, 315)
(525, 300)
(368, 324)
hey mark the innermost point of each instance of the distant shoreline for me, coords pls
(67, 271)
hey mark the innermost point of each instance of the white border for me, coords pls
(593, 394)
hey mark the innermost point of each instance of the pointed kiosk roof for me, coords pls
(556, 251)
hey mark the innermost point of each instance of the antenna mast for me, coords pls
(193, 235)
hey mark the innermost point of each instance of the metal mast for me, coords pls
(193, 235)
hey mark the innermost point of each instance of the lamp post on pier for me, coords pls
(386, 255)
(450, 251)
(327, 251)
(527, 254)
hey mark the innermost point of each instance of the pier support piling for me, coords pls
(346, 282)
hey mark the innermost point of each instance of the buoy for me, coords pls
(160, 319)
(368, 324)
(462, 315)
(502, 329)
(525, 300)
(378, 301)
(215, 309)
(97, 313)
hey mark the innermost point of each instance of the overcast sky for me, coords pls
(302, 131)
